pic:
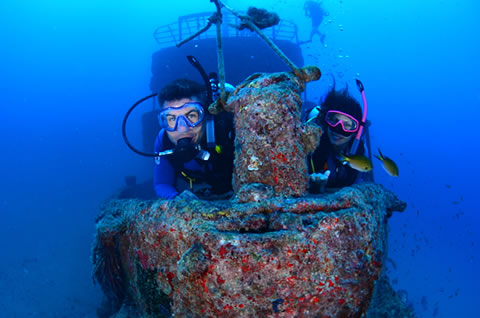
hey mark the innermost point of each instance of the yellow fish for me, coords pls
(357, 162)
(388, 164)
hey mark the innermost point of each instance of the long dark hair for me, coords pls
(342, 101)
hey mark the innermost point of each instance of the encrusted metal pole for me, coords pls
(221, 65)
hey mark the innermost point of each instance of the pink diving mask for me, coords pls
(348, 123)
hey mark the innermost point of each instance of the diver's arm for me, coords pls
(165, 191)
(163, 175)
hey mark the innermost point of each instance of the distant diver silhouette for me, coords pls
(314, 11)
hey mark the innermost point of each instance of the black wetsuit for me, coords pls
(213, 175)
(325, 158)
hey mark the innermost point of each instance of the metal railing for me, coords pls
(187, 25)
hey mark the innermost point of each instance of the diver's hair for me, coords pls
(342, 101)
(182, 88)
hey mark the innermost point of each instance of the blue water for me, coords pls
(70, 69)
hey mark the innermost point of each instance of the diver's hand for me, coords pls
(318, 181)
(316, 177)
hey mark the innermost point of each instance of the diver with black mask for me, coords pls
(187, 157)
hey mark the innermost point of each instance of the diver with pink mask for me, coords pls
(341, 159)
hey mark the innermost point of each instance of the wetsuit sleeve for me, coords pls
(163, 174)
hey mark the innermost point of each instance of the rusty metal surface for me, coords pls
(304, 257)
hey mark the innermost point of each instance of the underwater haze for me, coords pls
(69, 70)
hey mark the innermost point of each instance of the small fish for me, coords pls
(357, 162)
(388, 164)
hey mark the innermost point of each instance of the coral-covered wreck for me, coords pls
(272, 250)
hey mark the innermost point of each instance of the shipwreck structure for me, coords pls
(271, 251)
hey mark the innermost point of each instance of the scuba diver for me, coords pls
(194, 149)
(316, 13)
(342, 158)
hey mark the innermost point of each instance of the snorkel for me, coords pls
(356, 142)
(212, 89)
(195, 63)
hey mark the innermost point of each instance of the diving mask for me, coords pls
(188, 115)
(342, 122)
